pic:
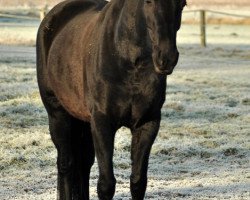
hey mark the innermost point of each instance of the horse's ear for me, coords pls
(184, 3)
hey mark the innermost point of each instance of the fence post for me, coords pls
(203, 28)
(43, 12)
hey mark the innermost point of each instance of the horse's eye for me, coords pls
(148, 1)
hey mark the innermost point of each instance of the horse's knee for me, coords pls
(106, 188)
(64, 164)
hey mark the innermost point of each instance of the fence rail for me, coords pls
(202, 21)
(218, 12)
(203, 14)
(42, 12)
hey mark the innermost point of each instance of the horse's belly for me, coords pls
(74, 105)
(69, 91)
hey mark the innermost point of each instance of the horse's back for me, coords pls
(58, 51)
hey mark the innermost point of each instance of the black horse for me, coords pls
(102, 65)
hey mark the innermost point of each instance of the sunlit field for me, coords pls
(203, 148)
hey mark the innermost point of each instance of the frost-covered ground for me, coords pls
(203, 147)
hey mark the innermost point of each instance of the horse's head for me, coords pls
(163, 19)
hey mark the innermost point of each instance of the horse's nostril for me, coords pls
(159, 54)
(164, 62)
(161, 62)
(160, 57)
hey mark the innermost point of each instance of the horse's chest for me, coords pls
(141, 98)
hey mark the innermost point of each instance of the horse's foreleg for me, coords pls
(142, 141)
(103, 137)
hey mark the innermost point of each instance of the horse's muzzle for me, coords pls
(165, 64)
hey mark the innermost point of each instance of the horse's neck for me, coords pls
(131, 12)
(131, 35)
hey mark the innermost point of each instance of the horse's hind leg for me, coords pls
(60, 130)
(83, 150)
(75, 154)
